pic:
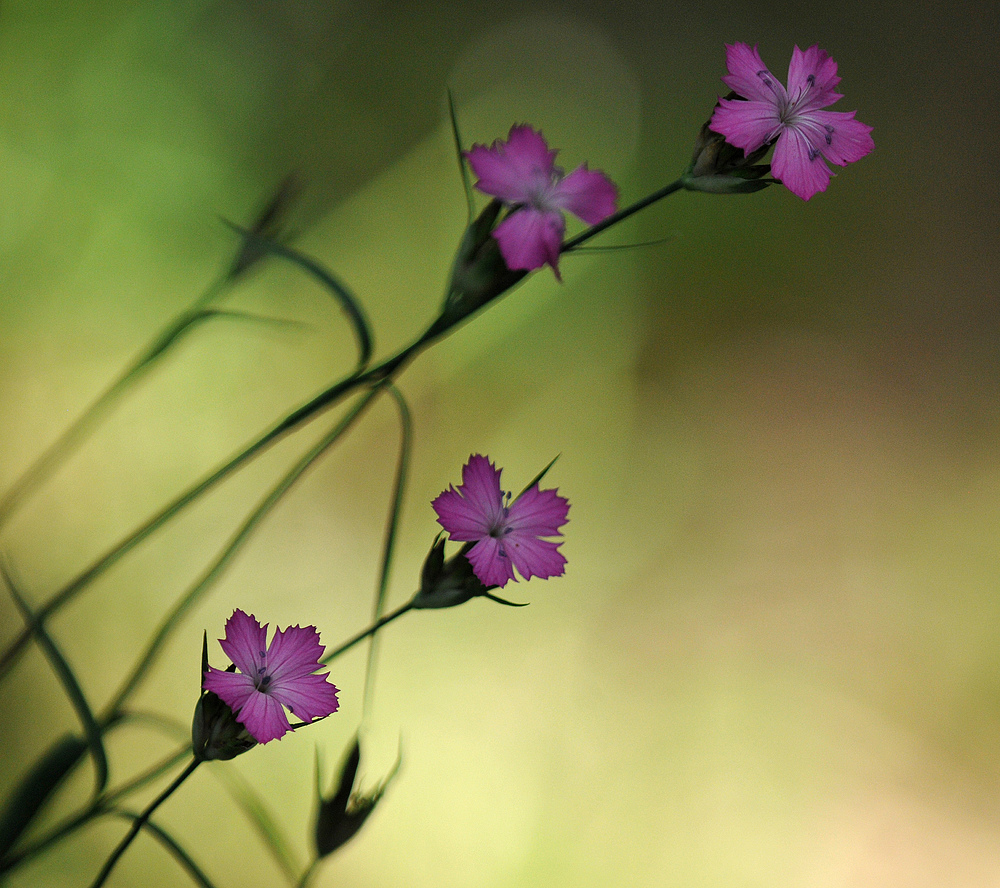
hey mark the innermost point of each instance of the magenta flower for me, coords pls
(506, 536)
(522, 173)
(806, 135)
(271, 676)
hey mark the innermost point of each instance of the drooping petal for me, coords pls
(233, 688)
(263, 717)
(586, 193)
(514, 169)
(845, 139)
(539, 513)
(492, 568)
(245, 642)
(746, 124)
(531, 238)
(534, 557)
(748, 75)
(294, 652)
(307, 697)
(798, 166)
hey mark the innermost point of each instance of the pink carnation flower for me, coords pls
(522, 173)
(806, 135)
(271, 676)
(506, 536)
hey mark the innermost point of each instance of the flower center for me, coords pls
(263, 679)
(540, 191)
(500, 528)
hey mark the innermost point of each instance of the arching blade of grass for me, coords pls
(64, 672)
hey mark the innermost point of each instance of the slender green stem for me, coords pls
(384, 371)
(392, 522)
(223, 560)
(174, 847)
(371, 630)
(138, 823)
(307, 875)
(43, 466)
(387, 370)
(621, 215)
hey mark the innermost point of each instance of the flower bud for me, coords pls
(447, 583)
(479, 273)
(215, 733)
(720, 168)
(341, 815)
(268, 226)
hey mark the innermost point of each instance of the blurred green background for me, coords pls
(773, 660)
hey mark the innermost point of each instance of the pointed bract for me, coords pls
(507, 537)
(272, 677)
(804, 136)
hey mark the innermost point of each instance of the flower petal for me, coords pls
(294, 652)
(233, 688)
(513, 170)
(263, 717)
(245, 642)
(463, 519)
(586, 193)
(539, 513)
(530, 238)
(534, 557)
(815, 73)
(492, 568)
(481, 484)
(845, 139)
(748, 75)
(800, 168)
(471, 511)
(746, 124)
(308, 697)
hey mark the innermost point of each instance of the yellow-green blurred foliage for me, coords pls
(773, 660)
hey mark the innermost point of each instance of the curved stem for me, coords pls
(140, 821)
(384, 371)
(392, 523)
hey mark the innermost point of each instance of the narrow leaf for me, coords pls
(91, 730)
(263, 821)
(35, 788)
(392, 524)
(173, 846)
(227, 554)
(470, 200)
(537, 479)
